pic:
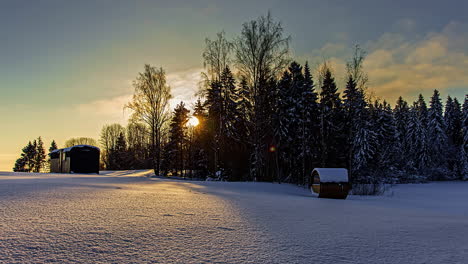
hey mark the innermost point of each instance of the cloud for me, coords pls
(184, 85)
(111, 109)
(405, 64)
(435, 61)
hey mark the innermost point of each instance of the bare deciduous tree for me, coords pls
(355, 68)
(150, 105)
(108, 140)
(80, 141)
(261, 51)
(138, 140)
(216, 56)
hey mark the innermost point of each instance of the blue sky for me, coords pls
(66, 66)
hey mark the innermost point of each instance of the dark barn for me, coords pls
(76, 159)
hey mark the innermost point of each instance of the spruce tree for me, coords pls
(288, 128)
(119, 158)
(40, 156)
(176, 151)
(309, 125)
(244, 110)
(383, 161)
(359, 133)
(53, 146)
(200, 142)
(401, 114)
(331, 131)
(437, 137)
(30, 154)
(214, 105)
(453, 120)
(27, 160)
(464, 147)
(229, 115)
(20, 165)
(417, 137)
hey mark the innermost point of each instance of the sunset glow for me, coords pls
(193, 121)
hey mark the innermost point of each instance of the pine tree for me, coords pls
(289, 115)
(360, 136)
(30, 151)
(453, 120)
(437, 137)
(244, 110)
(214, 105)
(401, 114)
(26, 163)
(20, 165)
(40, 157)
(176, 149)
(243, 131)
(331, 132)
(119, 156)
(53, 146)
(200, 142)
(417, 136)
(229, 113)
(464, 147)
(309, 128)
(383, 161)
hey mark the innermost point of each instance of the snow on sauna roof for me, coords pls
(332, 174)
(77, 146)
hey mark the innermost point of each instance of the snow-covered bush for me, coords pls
(370, 189)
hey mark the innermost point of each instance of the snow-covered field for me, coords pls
(125, 217)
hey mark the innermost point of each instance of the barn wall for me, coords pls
(55, 165)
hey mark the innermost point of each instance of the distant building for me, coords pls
(76, 159)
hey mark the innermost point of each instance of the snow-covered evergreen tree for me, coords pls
(176, 147)
(40, 157)
(385, 145)
(437, 137)
(289, 117)
(417, 140)
(464, 147)
(453, 120)
(359, 132)
(200, 142)
(332, 135)
(309, 125)
(229, 115)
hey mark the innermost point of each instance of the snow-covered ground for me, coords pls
(125, 217)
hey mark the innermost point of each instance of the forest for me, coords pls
(262, 116)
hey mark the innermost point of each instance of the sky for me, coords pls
(66, 67)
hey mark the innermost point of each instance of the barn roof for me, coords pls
(77, 146)
(332, 174)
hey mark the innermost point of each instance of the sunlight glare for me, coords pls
(193, 121)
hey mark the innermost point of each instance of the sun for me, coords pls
(193, 121)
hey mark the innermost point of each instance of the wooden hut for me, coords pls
(76, 159)
(330, 183)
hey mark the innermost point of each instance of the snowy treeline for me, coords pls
(125, 147)
(261, 122)
(33, 157)
(302, 128)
